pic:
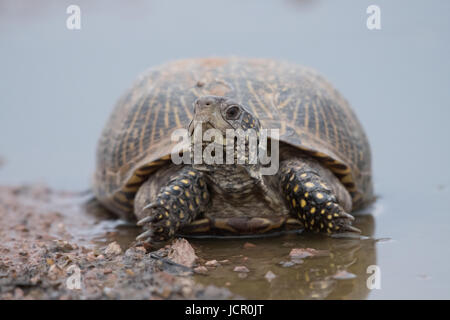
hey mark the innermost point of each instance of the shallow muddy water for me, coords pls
(57, 87)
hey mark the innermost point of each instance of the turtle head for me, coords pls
(225, 129)
(222, 114)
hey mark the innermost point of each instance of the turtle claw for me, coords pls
(150, 206)
(145, 220)
(144, 235)
(345, 215)
(349, 228)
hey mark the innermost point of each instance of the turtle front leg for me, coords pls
(168, 208)
(311, 197)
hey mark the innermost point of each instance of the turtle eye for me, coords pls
(233, 113)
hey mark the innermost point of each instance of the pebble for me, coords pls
(270, 276)
(344, 275)
(241, 269)
(211, 263)
(249, 245)
(113, 249)
(181, 252)
(201, 270)
(287, 264)
(300, 253)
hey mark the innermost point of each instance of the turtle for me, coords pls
(323, 157)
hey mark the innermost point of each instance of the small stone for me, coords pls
(344, 275)
(100, 257)
(242, 275)
(249, 245)
(130, 272)
(226, 261)
(201, 270)
(107, 271)
(287, 264)
(62, 245)
(301, 253)
(50, 261)
(55, 272)
(270, 276)
(91, 256)
(141, 249)
(113, 249)
(35, 280)
(211, 263)
(241, 269)
(166, 292)
(181, 252)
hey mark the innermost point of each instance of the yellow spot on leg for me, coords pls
(302, 203)
(309, 185)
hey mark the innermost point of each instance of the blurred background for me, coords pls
(58, 86)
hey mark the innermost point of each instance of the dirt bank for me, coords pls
(54, 246)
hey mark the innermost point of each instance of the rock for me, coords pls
(241, 269)
(113, 249)
(301, 253)
(201, 270)
(62, 245)
(107, 271)
(226, 261)
(55, 272)
(287, 264)
(270, 276)
(211, 263)
(249, 245)
(344, 275)
(181, 252)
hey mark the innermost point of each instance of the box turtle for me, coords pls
(324, 158)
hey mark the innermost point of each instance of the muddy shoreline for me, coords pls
(48, 250)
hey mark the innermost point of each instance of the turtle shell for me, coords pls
(309, 112)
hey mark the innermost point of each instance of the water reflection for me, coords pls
(339, 272)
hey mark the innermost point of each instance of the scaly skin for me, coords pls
(178, 203)
(311, 200)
